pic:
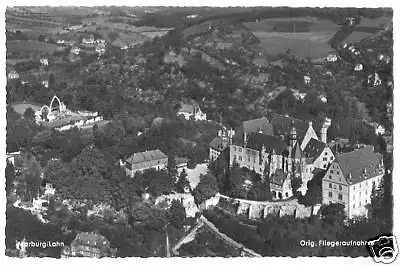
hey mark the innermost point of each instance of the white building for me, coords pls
(13, 75)
(307, 79)
(358, 67)
(45, 83)
(323, 98)
(192, 111)
(374, 80)
(44, 61)
(331, 58)
(141, 161)
(350, 179)
(76, 50)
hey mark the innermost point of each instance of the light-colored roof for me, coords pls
(146, 156)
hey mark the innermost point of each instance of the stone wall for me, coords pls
(261, 209)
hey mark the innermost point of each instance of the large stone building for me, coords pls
(350, 179)
(282, 148)
(91, 245)
(141, 161)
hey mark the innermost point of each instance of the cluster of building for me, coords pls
(280, 148)
(57, 116)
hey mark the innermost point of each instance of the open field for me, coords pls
(22, 46)
(302, 45)
(304, 36)
(357, 36)
(301, 24)
(20, 108)
(367, 22)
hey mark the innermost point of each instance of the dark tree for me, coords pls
(29, 114)
(176, 214)
(207, 188)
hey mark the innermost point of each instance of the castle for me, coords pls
(281, 148)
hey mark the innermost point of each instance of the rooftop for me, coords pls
(146, 156)
(363, 163)
(313, 149)
(271, 143)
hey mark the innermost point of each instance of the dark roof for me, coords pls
(256, 125)
(283, 124)
(257, 140)
(218, 143)
(362, 164)
(146, 156)
(313, 149)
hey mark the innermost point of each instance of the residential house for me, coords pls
(323, 98)
(181, 164)
(87, 244)
(89, 41)
(192, 111)
(307, 79)
(379, 129)
(13, 75)
(350, 179)
(358, 67)
(76, 50)
(300, 96)
(44, 62)
(154, 159)
(331, 58)
(374, 80)
(12, 156)
(45, 83)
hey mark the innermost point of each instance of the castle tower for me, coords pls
(293, 136)
(324, 130)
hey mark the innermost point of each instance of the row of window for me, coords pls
(234, 149)
(326, 159)
(340, 195)
(366, 184)
(334, 186)
(359, 203)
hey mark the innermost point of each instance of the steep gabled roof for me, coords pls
(314, 149)
(362, 164)
(146, 156)
(257, 140)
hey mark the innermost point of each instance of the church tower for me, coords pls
(292, 136)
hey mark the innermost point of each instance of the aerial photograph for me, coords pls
(199, 132)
